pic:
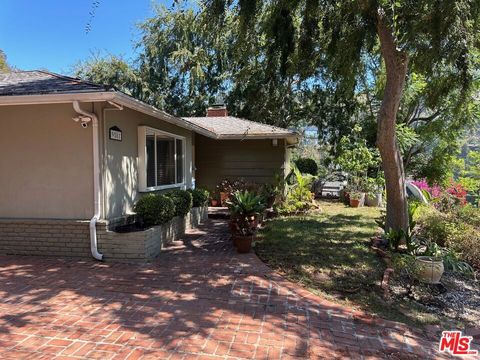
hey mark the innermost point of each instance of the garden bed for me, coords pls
(130, 242)
(330, 254)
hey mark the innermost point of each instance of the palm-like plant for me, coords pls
(244, 207)
(245, 204)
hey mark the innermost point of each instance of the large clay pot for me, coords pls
(429, 269)
(223, 198)
(355, 203)
(243, 243)
(214, 202)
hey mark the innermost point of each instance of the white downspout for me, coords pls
(96, 183)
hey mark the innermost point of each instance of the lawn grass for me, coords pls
(329, 253)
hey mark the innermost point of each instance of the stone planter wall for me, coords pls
(71, 238)
(146, 245)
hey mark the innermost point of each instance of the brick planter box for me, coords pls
(71, 238)
(146, 245)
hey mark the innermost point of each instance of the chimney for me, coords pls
(218, 108)
(217, 111)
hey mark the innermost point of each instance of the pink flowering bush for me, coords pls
(444, 199)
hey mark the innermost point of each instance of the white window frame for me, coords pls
(142, 159)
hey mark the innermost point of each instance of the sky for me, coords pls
(50, 34)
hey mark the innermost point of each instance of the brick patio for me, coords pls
(199, 300)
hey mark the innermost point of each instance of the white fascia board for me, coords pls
(289, 137)
(56, 98)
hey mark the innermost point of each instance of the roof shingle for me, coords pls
(232, 127)
(39, 82)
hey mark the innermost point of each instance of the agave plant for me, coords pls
(245, 204)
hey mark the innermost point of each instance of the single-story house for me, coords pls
(76, 156)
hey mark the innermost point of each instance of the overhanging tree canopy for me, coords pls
(439, 40)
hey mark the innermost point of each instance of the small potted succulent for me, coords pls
(245, 208)
(356, 199)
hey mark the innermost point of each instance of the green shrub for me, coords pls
(154, 209)
(199, 197)
(307, 166)
(299, 198)
(182, 200)
(458, 230)
(245, 204)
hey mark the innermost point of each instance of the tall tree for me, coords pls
(311, 38)
(4, 67)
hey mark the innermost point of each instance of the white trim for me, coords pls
(162, 187)
(96, 180)
(57, 98)
(142, 159)
(126, 100)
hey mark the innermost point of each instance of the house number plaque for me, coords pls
(115, 133)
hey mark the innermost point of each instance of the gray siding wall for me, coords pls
(253, 160)
(121, 158)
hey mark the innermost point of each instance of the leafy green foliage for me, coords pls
(299, 198)
(154, 209)
(458, 231)
(355, 158)
(452, 262)
(307, 166)
(245, 204)
(4, 67)
(199, 197)
(244, 208)
(182, 200)
(115, 72)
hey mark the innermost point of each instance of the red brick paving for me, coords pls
(199, 300)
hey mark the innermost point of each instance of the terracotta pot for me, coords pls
(429, 269)
(223, 198)
(214, 202)
(243, 243)
(355, 203)
(233, 225)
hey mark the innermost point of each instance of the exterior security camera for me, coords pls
(84, 125)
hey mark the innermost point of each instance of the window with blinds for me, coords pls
(161, 159)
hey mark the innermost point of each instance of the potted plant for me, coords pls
(356, 199)
(214, 199)
(429, 269)
(245, 207)
(244, 236)
(429, 266)
(269, 193)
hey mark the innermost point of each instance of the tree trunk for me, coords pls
(396, 64)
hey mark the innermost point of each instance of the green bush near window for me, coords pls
(199, 197)
(307, 166)
(154, 209)
(182, 201)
